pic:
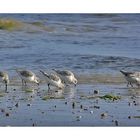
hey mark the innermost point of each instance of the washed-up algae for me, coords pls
(110, 97)
(137, 117)
(37, 23)
(105, 97)
(42, 26)
(2, 94)
(52, 97)
(16, 25)
(29, 90)
(10, 24)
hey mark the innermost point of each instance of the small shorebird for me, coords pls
(27, 76)
(66, 76)
(53, 79)
(131, 77)
(4, 78)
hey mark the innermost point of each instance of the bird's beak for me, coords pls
(75, 83)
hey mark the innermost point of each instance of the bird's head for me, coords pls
(75, 81)
(37, 80)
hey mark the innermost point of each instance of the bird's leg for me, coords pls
(48, 87)
(131, 84)
(5, 87)
(25, 83)
(37, 87)
(22, 82)
(128, 84)
(65, 83)
(138, 85)
(37, 84)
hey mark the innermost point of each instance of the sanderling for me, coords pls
(27, 76)
(131, 77)
(4, 78)
(66, 76)
(53, 79)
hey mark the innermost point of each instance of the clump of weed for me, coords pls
(9, 24)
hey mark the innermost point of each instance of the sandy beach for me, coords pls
(73, 106)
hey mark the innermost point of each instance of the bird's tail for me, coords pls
(54, 70)
(18, 71)
(57, 71)
(44, 73)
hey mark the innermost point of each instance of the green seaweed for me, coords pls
(29, 90)
(44, 27)
(93, 97)
(110, 97)
(52, 97)
(138, 117)
(9, 24)
(105, 97)
(37, 23)
(2, 94)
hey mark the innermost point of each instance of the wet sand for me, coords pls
(100, 78)
(75, 106)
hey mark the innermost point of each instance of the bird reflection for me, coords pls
(134, 91)
(56, 93)
(70, 92)
(29, 89)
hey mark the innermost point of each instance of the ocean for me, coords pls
(83, 43)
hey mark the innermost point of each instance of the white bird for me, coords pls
(28, 76)
(4, 78)
(131, 77)
(53, 79)
(66, 76)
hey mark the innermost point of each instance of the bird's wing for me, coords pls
(26, 73)
(136, 74)
(54, 77)
(64, 73)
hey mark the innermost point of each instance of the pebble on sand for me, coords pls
(66, 103)
(16, 104)
(116, 123)
(103, 115)
(73, 105)
(28, 104)
(97, 107)
(78, 118)
(2, 110)
(91, 112)
(96, 91)
(129, 104)
(7, 114)
(33, 124)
